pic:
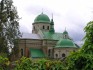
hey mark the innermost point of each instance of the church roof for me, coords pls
(30, 36)
(62, 43)
(42, 18)
(36, 53)
(53, 36)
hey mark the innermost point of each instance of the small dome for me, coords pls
(65, 32)
(42, 18)
(65, 43)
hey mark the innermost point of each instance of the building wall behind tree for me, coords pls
(58, 52)
(47, 46)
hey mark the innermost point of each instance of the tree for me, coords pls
(83, 59)
(9, 27)
(4, 63)
(88, 45)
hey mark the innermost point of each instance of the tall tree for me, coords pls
(9, 26)
(83, 59)
(88, 45)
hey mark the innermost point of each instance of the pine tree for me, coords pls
(9, 27)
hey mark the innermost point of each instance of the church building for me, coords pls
(44, 42)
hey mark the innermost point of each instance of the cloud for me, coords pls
(36, 9)
(72, 14)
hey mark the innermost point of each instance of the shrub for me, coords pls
(80, 61)
(4, 63)
(38, 64)
(24, 64)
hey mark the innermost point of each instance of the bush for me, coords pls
(24, 64)
(80, 61)
(4, 63)
(38, 64)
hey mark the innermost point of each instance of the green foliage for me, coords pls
(83, 59)
(44, 64)
(4, 63)
(24, 64)
(89, 32)
(9, 26)
(80, 61)
(38, 64)
(4, 55)
(88, 45)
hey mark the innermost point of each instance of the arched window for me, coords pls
(22, 52)
(43, 27)
(48, 27)
(56, 55)
(63, 55)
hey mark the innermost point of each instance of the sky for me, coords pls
(70, 14)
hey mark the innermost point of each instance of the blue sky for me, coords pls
(72, 14)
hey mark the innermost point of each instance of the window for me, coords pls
(21, 52)
(56, 55)
(65, 36)
(43, 27)
(63, 55)
(48, 27)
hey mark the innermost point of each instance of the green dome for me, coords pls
(65, 43)
(65, 32)
(42, 18)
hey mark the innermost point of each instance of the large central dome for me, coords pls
(43, 18)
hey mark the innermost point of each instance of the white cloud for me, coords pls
(72, 14)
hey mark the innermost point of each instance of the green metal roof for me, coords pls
(51, 35)
(36, 53)
(61, 42)
(57, 36)
(65, 43)
(52, 30)
(42, 18)
(47, 35)
(52, 22)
